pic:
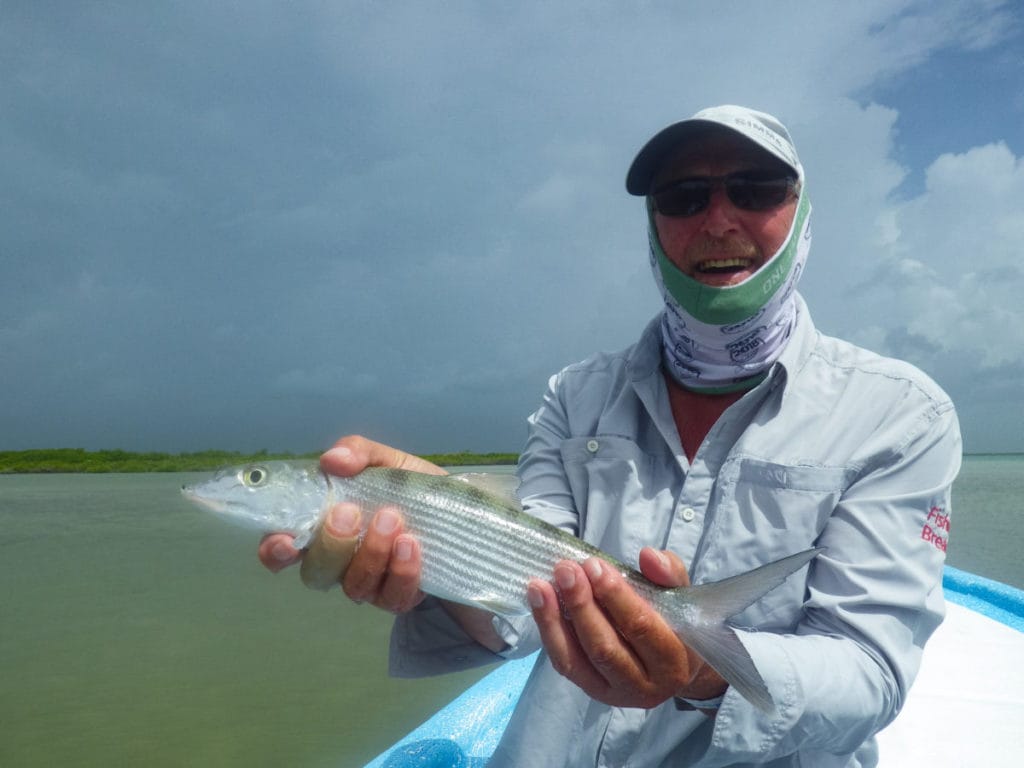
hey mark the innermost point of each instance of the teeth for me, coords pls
(724, 264)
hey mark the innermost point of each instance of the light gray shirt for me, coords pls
(837, 448)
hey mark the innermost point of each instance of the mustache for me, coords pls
(728, 247)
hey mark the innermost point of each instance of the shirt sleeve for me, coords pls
(874, 598)
(544, 486)
(428, 641)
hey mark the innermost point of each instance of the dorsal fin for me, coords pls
(498, 484)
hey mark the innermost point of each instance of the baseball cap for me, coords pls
(759, 127)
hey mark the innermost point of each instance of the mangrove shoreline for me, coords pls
(78, 460)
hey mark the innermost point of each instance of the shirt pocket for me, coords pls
(764, 511)
(622, 497)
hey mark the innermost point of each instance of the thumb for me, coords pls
(332, 548)
(354, 453)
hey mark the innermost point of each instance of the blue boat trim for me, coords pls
(990, 598)
(465, 733)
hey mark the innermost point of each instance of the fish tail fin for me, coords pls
(699, 616)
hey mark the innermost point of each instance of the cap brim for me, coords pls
(651, 157)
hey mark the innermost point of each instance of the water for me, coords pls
(988, 517)
(134, 629)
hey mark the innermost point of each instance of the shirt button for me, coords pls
(593, 445)
(688, 514)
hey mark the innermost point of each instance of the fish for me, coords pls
(479, 548)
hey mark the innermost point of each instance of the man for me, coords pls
(730, 435)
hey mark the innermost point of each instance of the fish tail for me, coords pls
(698, 615)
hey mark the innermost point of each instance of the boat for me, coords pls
(965, 708)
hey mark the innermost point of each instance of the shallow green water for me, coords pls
(134, 629)
(138, 631)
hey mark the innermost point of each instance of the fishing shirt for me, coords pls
(837, 448)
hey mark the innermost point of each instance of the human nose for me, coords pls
(720, 215)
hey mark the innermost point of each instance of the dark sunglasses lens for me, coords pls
(757, 194)
(685, 198)
(747, 192)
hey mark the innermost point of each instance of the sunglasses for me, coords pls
(747, 190)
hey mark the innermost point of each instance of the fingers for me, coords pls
(276, 552)
(328, 553)
(331, 550)
(564, 650)
(672, 669)
(663, 568)
(610, 641)
(656, 660)
(353, 453)
(666, 569)
(385, 569)
(600, 639)
(401, 589)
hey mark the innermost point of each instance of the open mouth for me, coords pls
(724, 266)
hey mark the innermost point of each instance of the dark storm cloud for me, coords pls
(262, 225)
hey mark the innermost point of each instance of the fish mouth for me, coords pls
(212, 504)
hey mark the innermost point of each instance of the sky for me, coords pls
(258, 225)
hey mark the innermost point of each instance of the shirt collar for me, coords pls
(645, 357)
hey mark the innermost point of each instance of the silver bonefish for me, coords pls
(479, 548)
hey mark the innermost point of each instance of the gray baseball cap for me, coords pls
(759, 127)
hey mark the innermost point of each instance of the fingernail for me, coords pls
(593, 569)
(338, 453)
(534, 597)
(344, 521)
(282, 552)
(403, 549)
(565, 578)
(385, 522)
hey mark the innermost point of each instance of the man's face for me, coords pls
(722, 244)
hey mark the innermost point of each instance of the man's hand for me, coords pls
(385, 569)
(610, 642)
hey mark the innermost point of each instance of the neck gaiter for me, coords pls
(724, 339)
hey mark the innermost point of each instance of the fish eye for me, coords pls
(254, 477)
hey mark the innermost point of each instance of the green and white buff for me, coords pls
(724, 339)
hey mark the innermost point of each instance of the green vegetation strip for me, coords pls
(79, 460)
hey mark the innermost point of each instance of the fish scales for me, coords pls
(483, 550)
(446, 524)
(488, 554)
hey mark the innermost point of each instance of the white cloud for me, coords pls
(952, 275)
